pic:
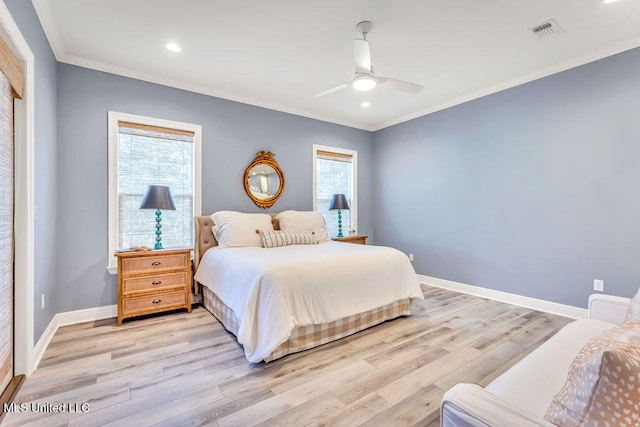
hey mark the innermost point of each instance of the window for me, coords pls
(144, 151)
(335, 171)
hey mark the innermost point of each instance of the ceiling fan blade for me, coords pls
(332, 89)
(362, 55)
(400, 85)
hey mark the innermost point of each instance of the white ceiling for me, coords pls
(278, 54)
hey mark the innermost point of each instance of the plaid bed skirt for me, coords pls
(306, 337)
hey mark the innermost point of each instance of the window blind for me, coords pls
(335, 157)
(155, 131)
(11, 86)
(6, 231)
(334, 174)
(160, 156)
(12, 70)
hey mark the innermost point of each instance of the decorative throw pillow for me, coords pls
(603, 386)
(238, 229)
(633, 312)
(278, 238)
(304, 221)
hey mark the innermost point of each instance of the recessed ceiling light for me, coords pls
(609, 1)
(173, 47)
(365, 104)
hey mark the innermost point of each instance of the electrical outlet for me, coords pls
(410, 257)
(598, 285)
(42, 302)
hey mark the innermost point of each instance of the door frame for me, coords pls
(24, 129)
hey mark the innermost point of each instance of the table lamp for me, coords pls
(339, 202)
(158, 197)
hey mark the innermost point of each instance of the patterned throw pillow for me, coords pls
(633, 312)
(603, 386)
(278, 238)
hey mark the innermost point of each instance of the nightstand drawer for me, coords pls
(154, 283)
(154, 263)
(153, 303)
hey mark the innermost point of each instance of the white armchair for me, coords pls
(608, 308)
(521, 395)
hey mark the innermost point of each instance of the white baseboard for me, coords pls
(87, 315)
(70, 318)
(519, 300)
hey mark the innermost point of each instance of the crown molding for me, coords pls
(45, 15)
(199, 89)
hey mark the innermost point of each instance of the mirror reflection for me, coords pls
(263, 180)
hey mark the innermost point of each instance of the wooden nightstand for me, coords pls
(153, 282)
(362, 240)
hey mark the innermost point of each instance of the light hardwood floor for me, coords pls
(185, 369)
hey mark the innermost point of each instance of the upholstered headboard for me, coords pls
(204, 236)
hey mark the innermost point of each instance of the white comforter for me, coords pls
(273, 291)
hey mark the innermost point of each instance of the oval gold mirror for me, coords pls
(263, 180)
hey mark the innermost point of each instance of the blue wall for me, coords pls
(45, 161)
(232, 135)
(534, 190)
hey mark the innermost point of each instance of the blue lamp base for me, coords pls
(158, 244)
(340, 224)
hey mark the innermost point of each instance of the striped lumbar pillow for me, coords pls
(277, 238)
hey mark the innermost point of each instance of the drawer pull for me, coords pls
(156, 282)
(156, 301)
(156, 263)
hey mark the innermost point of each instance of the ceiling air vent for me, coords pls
(547, 30)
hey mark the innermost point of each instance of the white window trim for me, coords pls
(354, 182)
(114, 118)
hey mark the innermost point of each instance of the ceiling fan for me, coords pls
(364, 78)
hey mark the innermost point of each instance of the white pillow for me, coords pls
(238, 229)
(304, 221)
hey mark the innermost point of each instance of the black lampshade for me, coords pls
(338, 201)
(158, 197)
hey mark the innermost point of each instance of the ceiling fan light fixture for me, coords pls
(173, 47)
(364, 78)
(364, 83)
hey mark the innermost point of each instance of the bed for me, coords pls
(286, 299)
